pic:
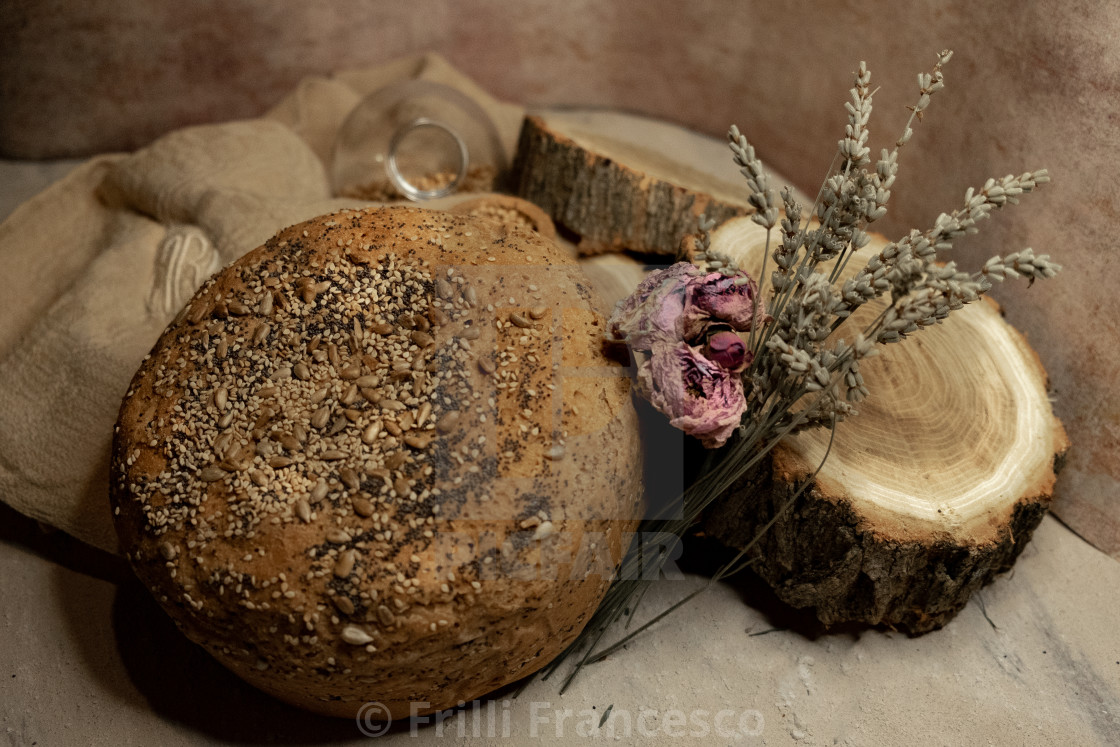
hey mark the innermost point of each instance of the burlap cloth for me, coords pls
(98, 264)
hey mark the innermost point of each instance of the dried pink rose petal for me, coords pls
(728, 350)
(680, 302)
(720, 297)
(700, 397)
(654, 311)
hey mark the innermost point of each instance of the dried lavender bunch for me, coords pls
(802, 374)
(799, 354)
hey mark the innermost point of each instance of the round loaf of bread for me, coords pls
(381, 458)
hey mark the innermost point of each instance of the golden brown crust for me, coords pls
(510, 210)
(356, 467)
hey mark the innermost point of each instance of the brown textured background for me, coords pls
(1032, 85)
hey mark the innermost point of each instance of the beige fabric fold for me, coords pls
(234, 180)
(46, 243)
(61, 387)
(100, 262)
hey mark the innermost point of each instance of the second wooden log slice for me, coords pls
(621, 182)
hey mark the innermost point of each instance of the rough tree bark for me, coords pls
(614, 187)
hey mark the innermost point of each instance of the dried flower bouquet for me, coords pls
(741, 368)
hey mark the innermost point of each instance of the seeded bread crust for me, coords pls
(381, 458)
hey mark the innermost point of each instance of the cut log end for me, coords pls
(824, 554)
(932, 489)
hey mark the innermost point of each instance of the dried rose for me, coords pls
(681, 324)
(680, 302)
(726, 298)
(699, 396)
(654, 312)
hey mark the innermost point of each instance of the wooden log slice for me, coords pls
(932, 489)
(621, 182)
